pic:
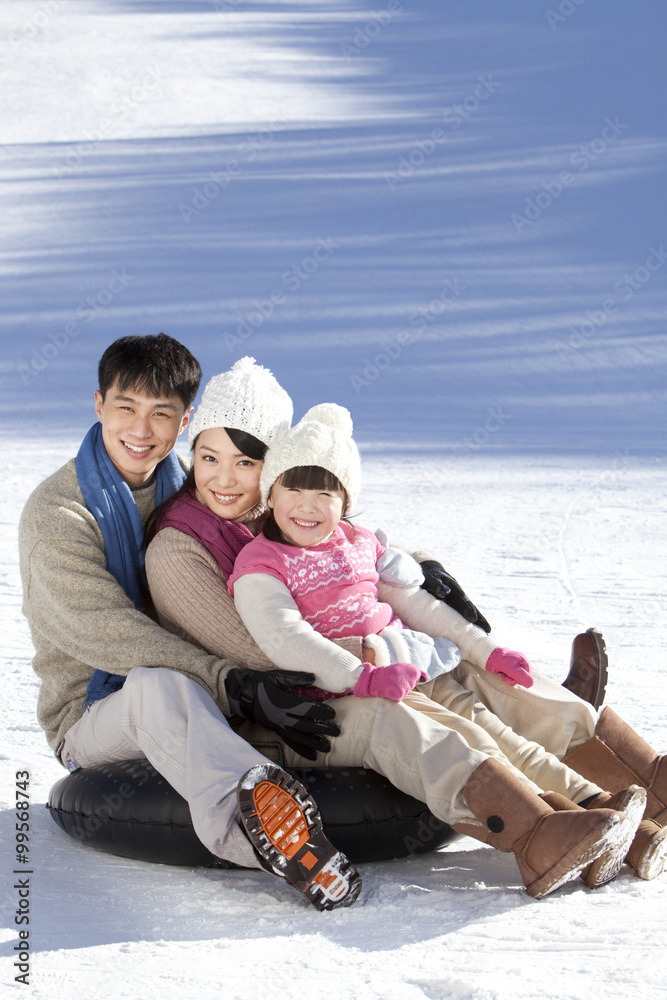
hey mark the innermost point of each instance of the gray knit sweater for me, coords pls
(80, 617)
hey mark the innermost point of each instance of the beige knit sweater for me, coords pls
(80, 617)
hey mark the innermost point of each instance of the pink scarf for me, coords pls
(223, 539)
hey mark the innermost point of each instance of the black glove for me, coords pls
(444, 587)
(264, 697)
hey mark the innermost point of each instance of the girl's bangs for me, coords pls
(310, 477)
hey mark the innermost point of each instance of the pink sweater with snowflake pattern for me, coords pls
(334, 584)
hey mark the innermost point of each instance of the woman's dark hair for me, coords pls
(246, 443)
(155, 364)
(303, 477)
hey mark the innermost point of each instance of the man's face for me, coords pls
(138, 430)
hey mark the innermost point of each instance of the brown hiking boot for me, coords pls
(588, 667)
(630, 802)
(283, 824)
(551, 848)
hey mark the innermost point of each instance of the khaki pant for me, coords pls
(546, 713)
(168, 718)
(430, 743)
(421, 746)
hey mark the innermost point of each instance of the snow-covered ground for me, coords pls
(450, 218)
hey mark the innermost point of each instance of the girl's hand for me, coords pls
(512, 667)
(393, 681)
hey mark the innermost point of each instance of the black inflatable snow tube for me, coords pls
(129, 809)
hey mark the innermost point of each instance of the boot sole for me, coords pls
(601, 669)
(588, 849)
(603, 665)
(284, 826)
(654, 858)
(631, 805)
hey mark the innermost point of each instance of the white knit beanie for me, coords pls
(322, 437)
(246, 398)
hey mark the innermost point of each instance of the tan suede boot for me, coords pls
(615, 757)
(631, 802)
(647, 853)
(550, 848)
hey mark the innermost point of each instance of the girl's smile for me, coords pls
(306, 517)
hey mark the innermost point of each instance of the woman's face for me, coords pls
(227, 480)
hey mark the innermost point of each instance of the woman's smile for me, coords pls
(227, 480)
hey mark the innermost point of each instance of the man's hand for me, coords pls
(439, 583)
(264, 697)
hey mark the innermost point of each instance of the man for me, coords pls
(114, 684)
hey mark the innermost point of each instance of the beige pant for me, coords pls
(429, 750)
(422, 747)
(546, 713)
(169, 719)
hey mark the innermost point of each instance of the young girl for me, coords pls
(309, 551)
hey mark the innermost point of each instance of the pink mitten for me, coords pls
(394, 681)
(512, 667)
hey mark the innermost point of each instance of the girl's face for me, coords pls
(306, 517)
(227, 480)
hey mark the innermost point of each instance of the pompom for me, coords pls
(244, 365)
(332, 415)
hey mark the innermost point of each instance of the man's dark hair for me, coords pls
(154, 364)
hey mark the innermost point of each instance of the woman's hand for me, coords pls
(442, 585)
(511, 667)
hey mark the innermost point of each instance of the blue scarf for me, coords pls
(109, 499)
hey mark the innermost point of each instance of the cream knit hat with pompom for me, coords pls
(247, 398)
(322, 437)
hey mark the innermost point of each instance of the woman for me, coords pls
(457, 768)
